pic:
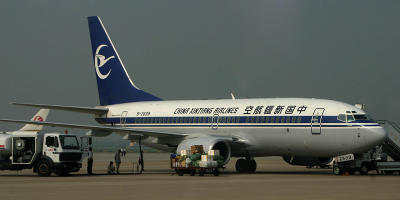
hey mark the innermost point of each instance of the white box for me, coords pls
(208, 164)
(186, 153)
(207, 158)
(213, 152)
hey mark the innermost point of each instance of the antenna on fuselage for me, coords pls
(233, 96)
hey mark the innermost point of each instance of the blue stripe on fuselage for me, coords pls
(231, 121)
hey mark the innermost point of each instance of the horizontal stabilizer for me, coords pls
(89, 110)
(98, 128)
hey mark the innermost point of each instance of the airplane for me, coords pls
(294, 128)
(40, 116)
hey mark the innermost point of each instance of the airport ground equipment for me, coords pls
(44, 153)
(375, 159)
(196, 160)
(181, 168)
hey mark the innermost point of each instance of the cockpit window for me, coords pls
(350, 118)
(342, 117)
(361, 117)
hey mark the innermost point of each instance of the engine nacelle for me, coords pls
(98, 133)
(209, 143)
(307, 161)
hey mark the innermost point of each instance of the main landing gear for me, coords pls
(247, 165)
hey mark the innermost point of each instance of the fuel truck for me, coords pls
(44, 153)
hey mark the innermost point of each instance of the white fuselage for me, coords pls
(269, 127)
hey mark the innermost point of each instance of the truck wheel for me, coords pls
(43, 168)
(252, 166)
(364, 170)
(337, 170)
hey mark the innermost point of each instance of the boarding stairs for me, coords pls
(391, 145)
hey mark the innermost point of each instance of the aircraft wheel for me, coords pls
(252, 166)
(242, 166)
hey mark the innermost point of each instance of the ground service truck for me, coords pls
(45, 153)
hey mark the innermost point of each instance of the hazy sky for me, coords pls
(340, 50)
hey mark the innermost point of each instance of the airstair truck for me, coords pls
(375, 159)
(45, 153)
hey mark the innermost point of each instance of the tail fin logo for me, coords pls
(100, 61)
(38, 118)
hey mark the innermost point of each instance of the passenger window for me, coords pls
(287, 119)
(350, 118)
(293, 119)
(276, 119)
(266, 119)
(283, 120)
(298, 119)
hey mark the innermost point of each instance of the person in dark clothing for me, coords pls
(90, 161)
(117, 159)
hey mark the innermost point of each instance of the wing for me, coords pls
(101, 129)
(88, 110)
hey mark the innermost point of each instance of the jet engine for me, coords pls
(209, 143)
(307, 161)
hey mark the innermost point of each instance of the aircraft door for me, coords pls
(123, 118)
(316, 121)
(51, 147)
(214, 122)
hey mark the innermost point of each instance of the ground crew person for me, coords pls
(117, 159)
(111, 168)
(90, 161)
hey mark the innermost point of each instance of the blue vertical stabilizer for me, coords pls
(113, 82)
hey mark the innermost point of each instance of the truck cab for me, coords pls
(61, 154)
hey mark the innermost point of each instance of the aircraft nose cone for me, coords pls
(376, 135)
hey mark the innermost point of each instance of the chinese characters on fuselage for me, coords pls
(271, 109)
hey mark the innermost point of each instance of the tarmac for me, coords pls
(274, 179)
